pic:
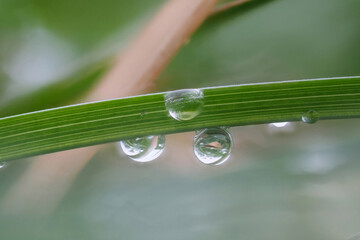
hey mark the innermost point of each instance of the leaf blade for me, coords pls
(112, 120)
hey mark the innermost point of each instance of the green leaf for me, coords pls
(106, 121)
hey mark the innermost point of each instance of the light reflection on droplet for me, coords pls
(143, 149)
(281, 128)
(310, 116)
(184, 104)
(3, 165)
(212, 146)
(279, 124)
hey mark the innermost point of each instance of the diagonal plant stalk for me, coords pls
(112, 120)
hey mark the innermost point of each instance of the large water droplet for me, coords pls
(184, 104)
(143, 149)
(310, 116)
(213, 146)
(3, 164)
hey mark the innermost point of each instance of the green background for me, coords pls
(300, 182)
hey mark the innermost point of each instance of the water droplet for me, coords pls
(213, 146)
(280, 127)
(279, 124)
(184, 104)
(143, 149)
(3, 164)
(310, 116)
(142, 114)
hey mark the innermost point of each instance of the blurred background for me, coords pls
(297, 181)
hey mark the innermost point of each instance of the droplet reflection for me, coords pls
(184, 104)
(279, 124)
(3, 165)
(143, 149)
(212, 146)
(310, 116)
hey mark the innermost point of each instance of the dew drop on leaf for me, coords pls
(184, 104)
(212, 146)
(142, 114)
(310, 116)
(143, 149)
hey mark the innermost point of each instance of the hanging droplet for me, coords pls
(213, 146)
(280, 127)
(310, 116)
(279, 124)
(184, 104)
(3, 164)
(143, 149)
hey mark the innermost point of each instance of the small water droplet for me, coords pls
(143, 149)
(310, 116)
(212, 146)
(280, 127)
(184, 104)
(279, 124)
(3, 164)
(142, 114)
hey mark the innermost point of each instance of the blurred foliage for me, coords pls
(250, 43)
(270, 41)
(258, 194)
(60, 93)
(100, 23)
(83, 23)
